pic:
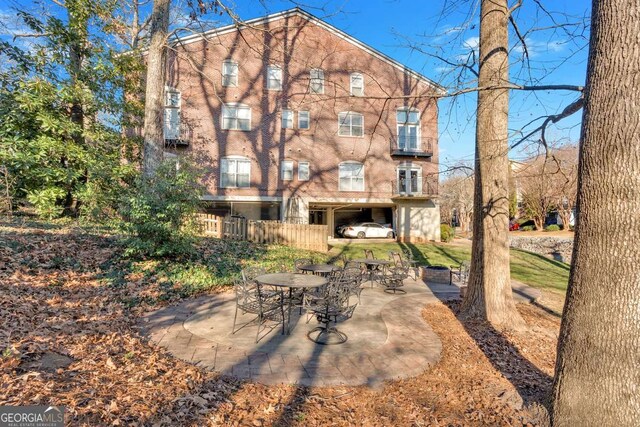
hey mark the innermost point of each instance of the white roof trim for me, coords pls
(341, 34)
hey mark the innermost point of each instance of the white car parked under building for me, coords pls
(368, 229)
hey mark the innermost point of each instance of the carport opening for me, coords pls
(348, 216)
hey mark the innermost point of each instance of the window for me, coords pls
(303, 120)
(357, 84)
(171, 113)
(287, 119)
(408, 129)
(274, 77)
(235, 172)
(287, 170)
(303, 171)
(236, 117)
(316, 83)
(229, 73)
(350, 124)
(351, 176)
(409, 179)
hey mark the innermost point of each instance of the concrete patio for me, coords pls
(388, 339)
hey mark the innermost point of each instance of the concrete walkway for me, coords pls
(388, 339)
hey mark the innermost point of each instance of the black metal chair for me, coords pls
(394, 275)
(251, 298)
(332, 306)
(461, 272)
(413, 263)
(352, 278)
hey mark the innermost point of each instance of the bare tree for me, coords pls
(456, 194)
(536, 180)
(565, 182)
(154, 93)
(597, 372)
(489, 288)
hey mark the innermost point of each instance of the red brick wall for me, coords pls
(296, 45)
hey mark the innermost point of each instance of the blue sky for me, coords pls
(411, 31)
(450, 29)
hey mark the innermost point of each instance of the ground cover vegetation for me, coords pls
(71, 335)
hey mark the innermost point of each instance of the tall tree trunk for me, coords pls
(598, 365)
(489, 289)
(78, 15)
(154, 93)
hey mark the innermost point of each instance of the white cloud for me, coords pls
(472, 43)
(536, 48)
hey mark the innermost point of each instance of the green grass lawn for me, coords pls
(526, 267)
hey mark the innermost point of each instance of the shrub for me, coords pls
(46, 202)
(552, 227)
(158, 215)
(446, 233)
(527, 228)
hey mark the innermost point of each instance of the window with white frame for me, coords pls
(303, 120)
(236, 117)
(274, 77)
(287, 119)
(409, 179)
(357, 84)
(171, 113)
(351, 176)
(408, 120)
(316, 82)
(350, 124)
(229, 73)
(287, 170)
(235, 172)
(303, 171)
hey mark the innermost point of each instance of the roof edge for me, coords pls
(297, 11)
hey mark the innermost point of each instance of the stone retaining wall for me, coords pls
(435, 275)
(558, 248)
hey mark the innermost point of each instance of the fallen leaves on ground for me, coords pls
(70, 338)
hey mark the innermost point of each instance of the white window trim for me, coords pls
(308, 120)
(275, 67)
(236, 106)
(408, 167)
(236, 158)
(418, 132)
(229, 61)
(167, 91)
(282, 169)
(363, 176)
(312, 79)
(304, 162)
(351, 135)
(286, 111)
(351, 76)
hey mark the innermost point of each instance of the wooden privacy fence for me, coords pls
(301, 236)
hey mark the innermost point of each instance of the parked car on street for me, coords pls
(368, 229)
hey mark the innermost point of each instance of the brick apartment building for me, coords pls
(297, 121)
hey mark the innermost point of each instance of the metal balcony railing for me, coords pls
(184, 137)
(416, 147)
(420, 187)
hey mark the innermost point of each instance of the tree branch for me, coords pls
(554, 118)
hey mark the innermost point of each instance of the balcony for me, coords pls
(181, 138)
(423, 147)
(416, 188)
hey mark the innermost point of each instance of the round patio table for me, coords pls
(291, 281)
(372, 265)
(319, 269)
